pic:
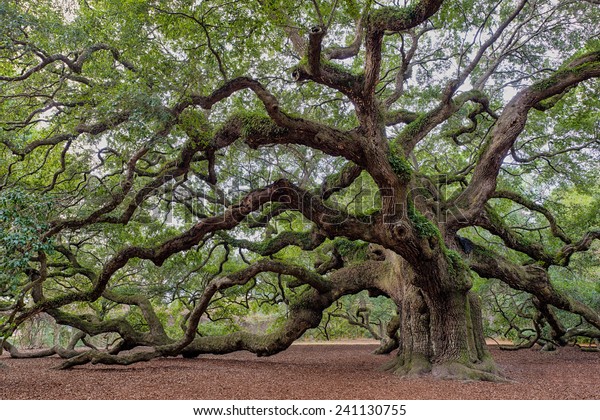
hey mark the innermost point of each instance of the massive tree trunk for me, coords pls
(441, 329)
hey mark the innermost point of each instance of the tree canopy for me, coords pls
(165, 163)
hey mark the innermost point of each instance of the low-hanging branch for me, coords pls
(283, 191)
(304, 314)
(531, 278)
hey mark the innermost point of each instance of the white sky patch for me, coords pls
(69, 9)
(508, 93)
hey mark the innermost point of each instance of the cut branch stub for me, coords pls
(314, 49)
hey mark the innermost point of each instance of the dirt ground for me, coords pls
(302, 372)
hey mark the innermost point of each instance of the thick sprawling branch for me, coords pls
(315, 39)
(302, 275)
(333, 76)
(76, 66)
(551, 154)
(558, 330)
(400, 117)
(337, 182)
(395, 19)
(255, 130)
(103, 214)
(282, 130)
(157, 330)
(566, 252)
(15, 353)
(93, 129)
(329, 220)
(531, 278)
(399, 19)
(405, 70)
(304, 314)
(231, 218)
(351, 50)
(509, 126)
(424, 123)
(304, 240)
(490, 221)
(361, 88)
(93, 325)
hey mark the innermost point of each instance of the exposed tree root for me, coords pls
(419, 366)
(470, 372)
(95, 356)
(391, 341)
(387, 346)
(15, 353)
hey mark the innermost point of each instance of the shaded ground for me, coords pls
(302, 372)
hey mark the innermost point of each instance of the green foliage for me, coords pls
(360, 308)
(195, 125)
(23, 218)
(352, 8)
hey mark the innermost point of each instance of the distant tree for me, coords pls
(169, 163)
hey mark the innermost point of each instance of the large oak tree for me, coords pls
(159, 151)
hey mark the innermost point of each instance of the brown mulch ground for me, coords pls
(301, 372)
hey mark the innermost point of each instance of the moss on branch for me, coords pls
(424, 227)
(400, 166)
(255, 124)
(194, 123)
(404, 16)
(351, 250)
(304, 240)
(587, 61)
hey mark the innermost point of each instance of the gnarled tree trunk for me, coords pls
(441, 329)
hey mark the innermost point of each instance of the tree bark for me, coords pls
(441, 330)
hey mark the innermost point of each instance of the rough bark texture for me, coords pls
(441, 331)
